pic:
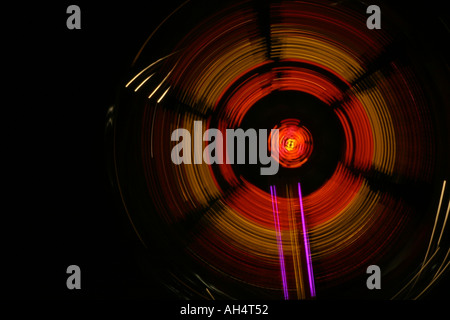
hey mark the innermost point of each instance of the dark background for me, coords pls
(58, 207)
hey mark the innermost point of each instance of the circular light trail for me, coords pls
(356, 130)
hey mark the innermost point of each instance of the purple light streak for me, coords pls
(276, 220)
(307, 250)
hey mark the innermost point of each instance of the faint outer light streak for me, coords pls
(432, 281)
(140, 85)
(165, 78)
(427, 260)
(151, 134)
(276, 219)
(415, 276)
(209, 292)
(307, 249)
(149, 66)
(434, 227)
(442, 264)
(443, 225)
(162, 96)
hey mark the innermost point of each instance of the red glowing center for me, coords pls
(295, 143)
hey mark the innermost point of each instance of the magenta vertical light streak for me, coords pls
(307, 249)
(276, 220)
